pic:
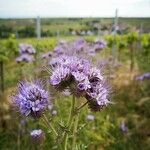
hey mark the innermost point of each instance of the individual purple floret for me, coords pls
(144, 76)
(37, 136)
(26, 49)
(31, 99)
(99, 45)
(25, 58)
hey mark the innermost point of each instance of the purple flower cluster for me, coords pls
(26, 49)
(144, 76)
(31, 99)
(79, 47)
(26, 53)
(82, 79)
(25, 58)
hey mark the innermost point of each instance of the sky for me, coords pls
(73, 8)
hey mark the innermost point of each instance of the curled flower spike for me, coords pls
(31, 99)
(97, 96)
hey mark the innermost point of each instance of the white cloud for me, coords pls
(66, 8)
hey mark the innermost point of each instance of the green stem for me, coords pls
(71, 114)
(50, 125)
(75, 131)
(81, 106)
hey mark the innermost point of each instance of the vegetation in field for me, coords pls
(124, 124)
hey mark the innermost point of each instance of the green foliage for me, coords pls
(131, 101)
(8, 49)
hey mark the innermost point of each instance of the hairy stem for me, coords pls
(71, 114)
(75, 131)
(81, 106)
(50, 125)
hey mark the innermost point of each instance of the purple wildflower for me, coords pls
(60, 75)
(99, 45)
(68, 70)
(25, 58)
(31, 99)
(26, 49)
(58, 51)
(79, 45)
(37, 136)
(97, 94)
(144, 76)
(82, 79)
(97, 97)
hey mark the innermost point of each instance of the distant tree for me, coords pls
(5, 31)
(27, 32)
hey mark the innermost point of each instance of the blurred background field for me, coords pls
(123, 125)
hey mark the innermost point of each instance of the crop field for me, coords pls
(81, 86)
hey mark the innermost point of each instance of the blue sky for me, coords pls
(74, 8)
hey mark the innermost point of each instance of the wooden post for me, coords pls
(38, 28)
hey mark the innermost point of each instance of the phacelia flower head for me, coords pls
(79, 45)
(25, 58)
(82, 79)
(37, 136)
(69, 70)
(31, 99)
(97, 94)
(26, 49)
(99, 45)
